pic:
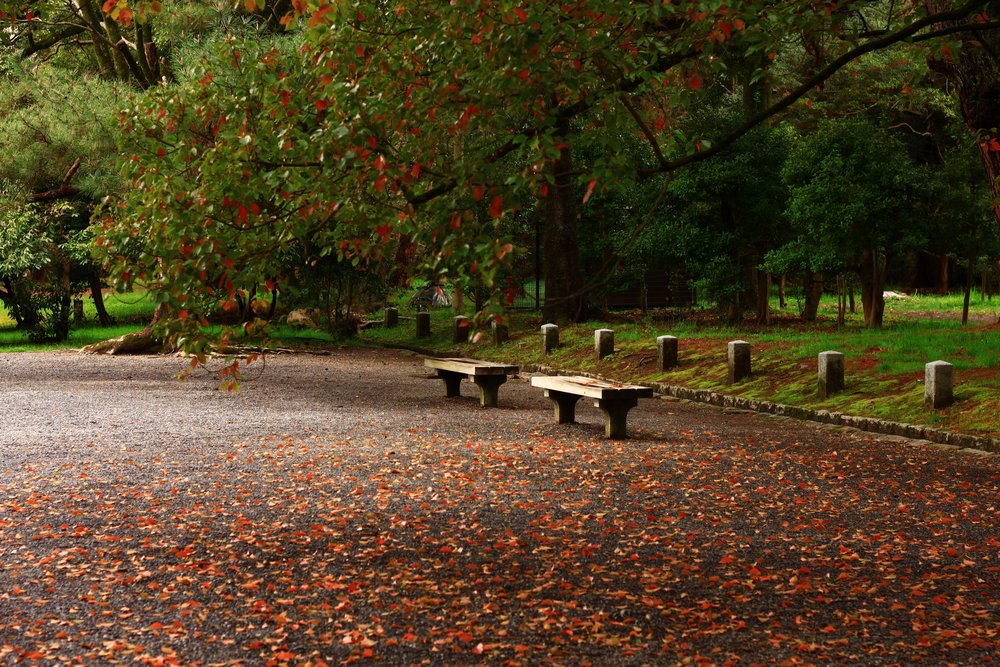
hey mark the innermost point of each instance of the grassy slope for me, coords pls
(884, 367)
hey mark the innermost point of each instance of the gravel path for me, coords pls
(339, 509)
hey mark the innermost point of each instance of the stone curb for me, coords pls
(869, 424)
(958, 441)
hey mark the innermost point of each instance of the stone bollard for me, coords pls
(550, 337)
(739, 360)
(604, 343)
(938, 392)
(831, 373)
(423, 325)
(666, 352)
(500, 332)
(78, 310)
(461, 329)
(391, 317)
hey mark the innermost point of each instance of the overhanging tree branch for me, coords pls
(65, 191)
(903, 34)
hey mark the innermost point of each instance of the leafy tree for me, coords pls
(853, 192)
(728, 213)
(401, 119)
(56, 133)
(40, 246)
(958, 205)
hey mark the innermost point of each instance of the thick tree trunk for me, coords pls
(62, 313)
(812, 288)
(872, 287)
(942, 278)
(97, 292)
(137, 342)
(564, 293)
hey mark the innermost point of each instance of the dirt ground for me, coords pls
(339, 509)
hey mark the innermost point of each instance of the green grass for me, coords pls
(130, 311)
(884, 366)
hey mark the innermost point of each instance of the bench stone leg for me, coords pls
(489, 388)
(452, 381)
(615, 413)
(564, 404)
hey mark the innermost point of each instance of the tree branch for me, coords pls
(65, 191)
(825, 73)
(34, 46)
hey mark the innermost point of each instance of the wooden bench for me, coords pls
(487, 375)
(614, 399)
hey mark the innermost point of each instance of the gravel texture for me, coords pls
(339, 509)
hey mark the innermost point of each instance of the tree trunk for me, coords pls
(968, 291)
(731, 313)
(564, 293)
(97, 292)
(872, 287)
(763, 297)
(137, 342)
(841, 300)
(942, 277)
(781, 293)
(812, 288)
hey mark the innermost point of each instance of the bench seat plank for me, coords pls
(612, 398)
(487, 375)
(470, 366)
(589, 387)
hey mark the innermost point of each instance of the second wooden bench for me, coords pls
(614, 399)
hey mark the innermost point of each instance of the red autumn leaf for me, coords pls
(496, 207)
(478, 193)
(590, 189)
(694, 81)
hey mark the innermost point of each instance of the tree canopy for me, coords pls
(359, 126)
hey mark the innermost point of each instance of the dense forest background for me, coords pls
(219, 155)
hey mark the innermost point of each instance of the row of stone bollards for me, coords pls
(460, 328)
(938, 386)
(938, 375)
